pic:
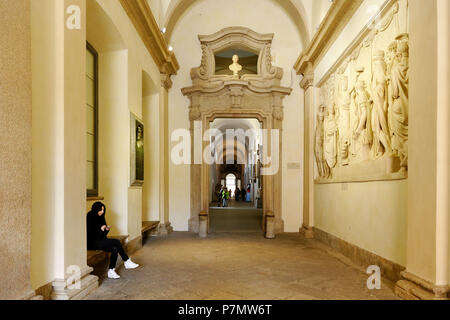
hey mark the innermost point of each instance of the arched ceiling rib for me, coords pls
(294, 8)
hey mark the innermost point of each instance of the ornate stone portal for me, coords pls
(362, 113)
(257, 96)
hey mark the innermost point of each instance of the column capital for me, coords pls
(307, 81)
(166, 82)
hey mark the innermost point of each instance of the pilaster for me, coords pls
(307, 84)
(427, 267)
(166, 85)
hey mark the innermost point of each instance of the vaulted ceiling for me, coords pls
(172, 10)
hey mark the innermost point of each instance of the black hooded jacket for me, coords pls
(94, 223)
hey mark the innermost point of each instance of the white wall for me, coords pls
(113, 141)
(371, 215)
(207, 17)
(150, 198)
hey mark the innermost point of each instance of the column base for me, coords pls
(279, 226)
(134, 245)
(31, 295)
(165, 229)
(307, 232)
(270, 226)
(194, 224)
(88, 283)
(203, 224)
(412, 287)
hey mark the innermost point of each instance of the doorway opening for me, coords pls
(235, 174)
(230, 182)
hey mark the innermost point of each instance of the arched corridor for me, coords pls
(239, 149)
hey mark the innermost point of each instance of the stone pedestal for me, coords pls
(165, 229)
(203, 225)
(270, 226)
(307, 232)
(412, 287)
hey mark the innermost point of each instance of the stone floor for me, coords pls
(238, 218)
(239, 266)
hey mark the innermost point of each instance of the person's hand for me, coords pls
(108, 228)
(103, 228)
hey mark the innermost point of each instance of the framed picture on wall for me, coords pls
(137, 152)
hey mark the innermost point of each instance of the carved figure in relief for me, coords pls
(362, 132)
(322, 165)
(381, 136)
(391, 61)
(235, 66)
(344, 119)
(330, 133)
(400, 103)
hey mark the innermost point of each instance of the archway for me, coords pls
(257, 96)
(230, 182)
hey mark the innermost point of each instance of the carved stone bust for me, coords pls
(261, 91)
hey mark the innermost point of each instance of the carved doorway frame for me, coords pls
(257, 96)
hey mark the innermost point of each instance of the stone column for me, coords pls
(277, 182)
(165, 227)
(443, 145)
(196, 160)
(308, 157)
(59, 149)
(427, 266)
(15, 143)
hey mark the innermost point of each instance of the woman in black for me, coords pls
(97, 231)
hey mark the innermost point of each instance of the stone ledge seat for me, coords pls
(148, 226)
(95, 257)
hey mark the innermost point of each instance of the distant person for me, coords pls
(243, 194)
(237, 194)
(97, 231)
(217, 189)
(249, 188)
(225, 197)
(220, 196)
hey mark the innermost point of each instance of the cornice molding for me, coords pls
(332, 25)
(142, 18)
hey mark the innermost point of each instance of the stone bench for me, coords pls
(95, 257)
(149, 226)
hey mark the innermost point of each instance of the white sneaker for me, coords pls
(112, 274)
(130, 264)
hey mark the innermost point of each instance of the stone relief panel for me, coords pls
(361, 131)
